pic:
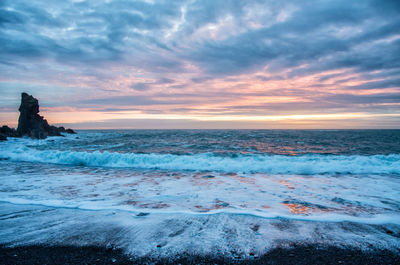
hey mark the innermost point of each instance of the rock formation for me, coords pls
(7, 131)
(30, 123)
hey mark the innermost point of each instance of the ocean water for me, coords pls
(235, 192)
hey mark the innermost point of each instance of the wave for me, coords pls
(255, 163)
(87, 206)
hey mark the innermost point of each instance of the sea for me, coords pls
(238, 193)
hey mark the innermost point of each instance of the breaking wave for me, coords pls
(241, 163)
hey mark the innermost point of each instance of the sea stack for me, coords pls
(31, 124)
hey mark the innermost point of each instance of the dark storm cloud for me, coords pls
(87, 31)
(311, 36)
(90, 31)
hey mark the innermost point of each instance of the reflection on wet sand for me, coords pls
(217, 205)
(154, 205)
(297, 208)
(285, 183)
(306, 208)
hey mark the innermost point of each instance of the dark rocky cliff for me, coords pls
(30, 123)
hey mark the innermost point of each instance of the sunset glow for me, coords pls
(196, 64)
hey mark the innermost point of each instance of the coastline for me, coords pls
(307, 254)
(67, 200)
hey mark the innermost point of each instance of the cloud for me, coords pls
(132, 101)
(205, 49)
(165, 80)
(91, 31)
(140, 86)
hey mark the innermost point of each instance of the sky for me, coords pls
(212, 64)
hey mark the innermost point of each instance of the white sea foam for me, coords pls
(93, 206)
(356, 198)
(170, 235)
(273, 164)
(204, 203)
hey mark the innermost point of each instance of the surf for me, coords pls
(308, 164)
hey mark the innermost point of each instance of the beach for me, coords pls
(201, 196)
(199, 132)
(96, 255)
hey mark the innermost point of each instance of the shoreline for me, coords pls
(307, 254)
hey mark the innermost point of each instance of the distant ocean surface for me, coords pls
(150, 177)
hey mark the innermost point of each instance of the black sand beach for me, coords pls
(311, 254)
(199, 132)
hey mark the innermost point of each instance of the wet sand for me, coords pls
(311, 254)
